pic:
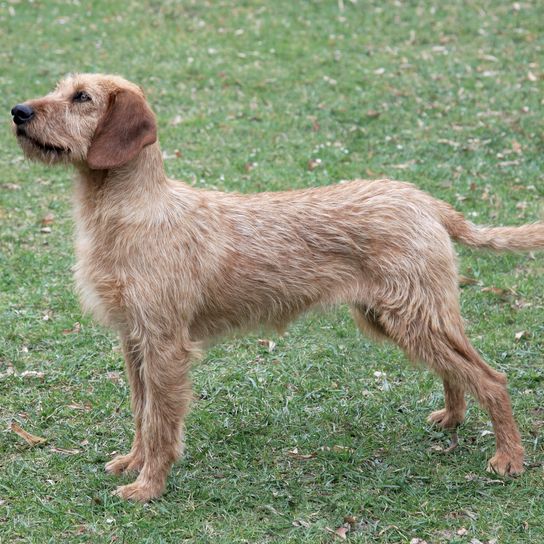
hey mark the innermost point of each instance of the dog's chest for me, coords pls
(99, 281)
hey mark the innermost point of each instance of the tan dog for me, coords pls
(170, 267)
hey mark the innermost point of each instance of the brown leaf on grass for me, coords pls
(176, 120)
(64, 451)
(373, 114)
(32, 374)
(457, 514)
(516, 147)
(451, 143)
(341, 532)
(114, 376)
(314, 163)
(81, 529)
(498, 291)
(340, 449)
(30, 439)
(294, 453)
(471, 477)
(11, 186)
(404, 165)
(74, 330)
(519, 304)
(270, 345)
(466, 280)
(48, 219)
(83, 407)
(504, 164)
(446, 534)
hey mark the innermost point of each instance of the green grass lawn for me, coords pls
(281, 445)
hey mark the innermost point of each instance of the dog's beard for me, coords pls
(37, 150)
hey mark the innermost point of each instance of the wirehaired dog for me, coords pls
(169, 266)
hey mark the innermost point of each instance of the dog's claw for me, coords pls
(137, 492)
(124, 463)
(506, 464)
(445, 419)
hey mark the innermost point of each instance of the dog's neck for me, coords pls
(141, 178)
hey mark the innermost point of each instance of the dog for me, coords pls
(171, 267)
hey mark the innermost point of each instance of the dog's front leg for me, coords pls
(167, 393)
(134, 460)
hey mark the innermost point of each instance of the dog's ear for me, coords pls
(125, 129)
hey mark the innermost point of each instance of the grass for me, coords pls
(446, 95)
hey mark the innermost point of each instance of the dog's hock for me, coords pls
(125, 129)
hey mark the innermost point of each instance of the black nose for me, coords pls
(22, 114)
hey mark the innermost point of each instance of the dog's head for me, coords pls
(97, 120)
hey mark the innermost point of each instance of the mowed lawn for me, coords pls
(290, 438)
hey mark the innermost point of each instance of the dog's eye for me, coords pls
(81, 96)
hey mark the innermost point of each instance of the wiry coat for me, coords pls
(171, 267)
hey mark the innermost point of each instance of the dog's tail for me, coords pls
(522, 238)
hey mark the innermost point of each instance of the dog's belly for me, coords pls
(210, 325)
(247, 304)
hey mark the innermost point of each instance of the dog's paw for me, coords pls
(506, 463)
(445, 419)
(125, 463)
(138, 491)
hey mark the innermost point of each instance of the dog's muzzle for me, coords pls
(22, 114)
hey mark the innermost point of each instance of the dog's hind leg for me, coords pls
(453, 414)
(367, 320)
(434, 335)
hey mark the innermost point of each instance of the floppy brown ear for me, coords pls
(126, 128)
